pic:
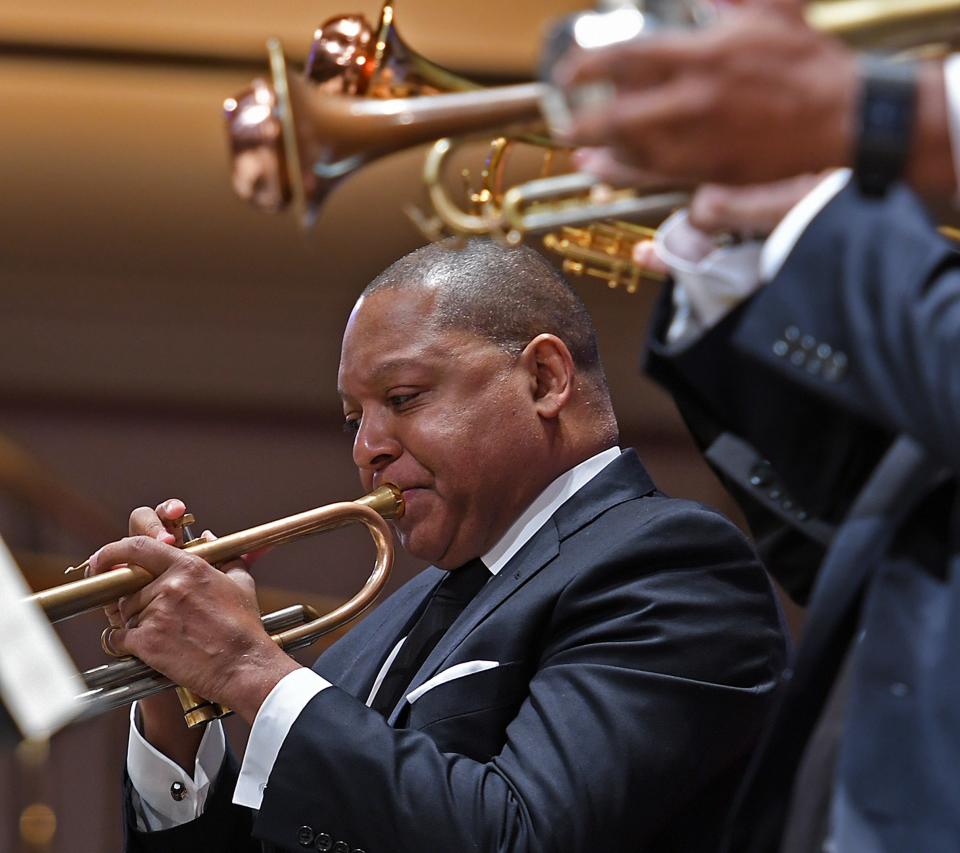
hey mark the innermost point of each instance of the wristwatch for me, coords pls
(887, 105)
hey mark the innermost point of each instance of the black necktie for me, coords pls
(449, 599)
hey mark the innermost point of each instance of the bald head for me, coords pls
(507, 295)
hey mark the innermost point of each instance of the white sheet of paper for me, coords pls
(38, 682)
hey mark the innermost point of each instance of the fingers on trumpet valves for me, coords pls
(164, 522)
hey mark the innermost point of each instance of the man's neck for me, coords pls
(543, 506)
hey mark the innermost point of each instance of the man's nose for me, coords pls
(374, 446)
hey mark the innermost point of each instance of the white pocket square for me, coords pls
(456, 671)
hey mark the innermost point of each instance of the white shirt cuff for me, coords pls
(273, 722)
(951, 76)
(709, 280)
(153, 776)
(787, 234)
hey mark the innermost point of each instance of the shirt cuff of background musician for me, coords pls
(710, 281)
(165, 795)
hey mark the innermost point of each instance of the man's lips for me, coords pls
(412, 490)
(411, 494)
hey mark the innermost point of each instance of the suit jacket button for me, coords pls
(341, 847)
(305, 836)
(761, 474)
(358, 850)
(324, 842)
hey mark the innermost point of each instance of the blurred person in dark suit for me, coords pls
(840, 372)
(818, 366)
(606, 657)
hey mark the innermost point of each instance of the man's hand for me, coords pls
(757, 97)
(196, 624)
(750, 211)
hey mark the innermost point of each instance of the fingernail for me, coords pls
(170, 506)
(94, 559)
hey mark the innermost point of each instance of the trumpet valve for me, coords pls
(185, 525)
(198, 711)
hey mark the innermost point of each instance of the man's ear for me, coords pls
(551, 371)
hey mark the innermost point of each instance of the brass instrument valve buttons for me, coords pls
(185, 525)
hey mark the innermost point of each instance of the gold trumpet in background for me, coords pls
(365, 93)
(576, 199)
(585, 218)
(127, 679)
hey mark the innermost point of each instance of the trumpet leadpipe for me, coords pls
(71, 599)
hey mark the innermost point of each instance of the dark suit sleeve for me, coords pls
(720, 384)
(222, 828)
(658, 663)
(865, 314)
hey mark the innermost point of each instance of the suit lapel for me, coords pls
(380, 632)
(540, 550)
(623, 479)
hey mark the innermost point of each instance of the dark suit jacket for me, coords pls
(638, 644)
(855, 341)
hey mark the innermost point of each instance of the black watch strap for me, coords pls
(887, 106)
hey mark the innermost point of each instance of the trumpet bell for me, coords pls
(349, 58)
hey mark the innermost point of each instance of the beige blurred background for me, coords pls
(158, 338)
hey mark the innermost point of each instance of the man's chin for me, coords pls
(420, 544)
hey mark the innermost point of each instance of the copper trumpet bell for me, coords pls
(279, 153)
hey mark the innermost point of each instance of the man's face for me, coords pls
(447, 416)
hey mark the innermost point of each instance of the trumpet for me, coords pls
(125, 680)
(364, 93)
(569, 200)
(375, 96)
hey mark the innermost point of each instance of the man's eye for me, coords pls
(397, 401)
(351, 426)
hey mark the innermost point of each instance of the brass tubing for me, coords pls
(859, 21)
(71, 599)
(352, 125)
(294, 638)
(81, 596)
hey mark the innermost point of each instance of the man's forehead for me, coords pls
(394, 330)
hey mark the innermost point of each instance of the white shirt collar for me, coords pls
(544, 506)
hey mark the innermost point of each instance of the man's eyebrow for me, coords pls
(386, 368)
(389, 367)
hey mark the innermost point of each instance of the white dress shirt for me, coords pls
(710, 281)
(153, 775)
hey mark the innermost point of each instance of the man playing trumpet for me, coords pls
(586, 665)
